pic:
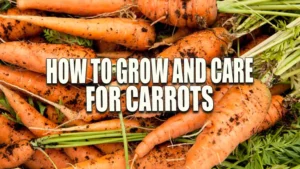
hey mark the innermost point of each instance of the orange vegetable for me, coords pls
(11, 29)
(235, 119)
(76, 7)
(134, 34)
(33, 56)
(181, 13)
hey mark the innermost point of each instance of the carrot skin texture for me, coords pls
(134, 34)
(159, 156)
(235, 119)
(110, 148)
(33, 56)
(11, 134)
(76, 7)
(180, 13)
(275, 113)
(110, 161)
(70, 96)
(11, 29)
(15, 154)
(206, 44)
(186, 122)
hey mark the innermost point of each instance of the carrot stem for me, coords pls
(125, 141)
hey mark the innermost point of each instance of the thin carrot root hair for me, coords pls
(47, 156)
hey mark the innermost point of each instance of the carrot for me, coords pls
(10, 133)
(15, 154)
(33, 56)
(54, 116)
(70, 96)
(180, 33)
(134, 34)
(103, 46)
(164, 156)
(176, 126)
(275, 113)
(253, 43)
(180, 13)
(76, 7)
(38, 160)
(32, 119)
(234, 120)
(280, 89)
(110, 148)
(206, 44)
(110, 161)
(14, 30)
(103, 125)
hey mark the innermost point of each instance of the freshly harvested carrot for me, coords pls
(10, 133)
(104, 125)
(11, 29)
(134, 34)
(164, 156)
(76, 7)
(33, 119)
(33, 56)
(176, 126)
(110, 161)
(15, 154)
(29, 116)
(39, 160)
(206, 44)
(235, 119)
(253, 43)
(180, 13)
(70, 96)
(279, 89)
(180, 33)
(110, 148)
(103, 46)
(275, 113)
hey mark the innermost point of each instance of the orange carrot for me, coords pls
(280, 89)
(206, 44)
(110, 148)
(134, 34)
(70, 96)
(76, 7)
(176, 126)
(33, 119)
(192, 13)
(14, 30)
(115, 55)
(54, 116)
(275, 113)
(235, 119)
(164, 156)
(15, 154)
(103, 125)
(110, 161)
(180, 33)
(10, 133)
(37, 39)
(103, 46)
(33, 56)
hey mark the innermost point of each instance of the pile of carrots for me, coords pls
(240, 110)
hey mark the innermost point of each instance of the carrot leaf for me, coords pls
(5, 5)
(56, 37)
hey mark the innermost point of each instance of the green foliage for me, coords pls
(60, 114)
(5, 5)
(53, 36)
